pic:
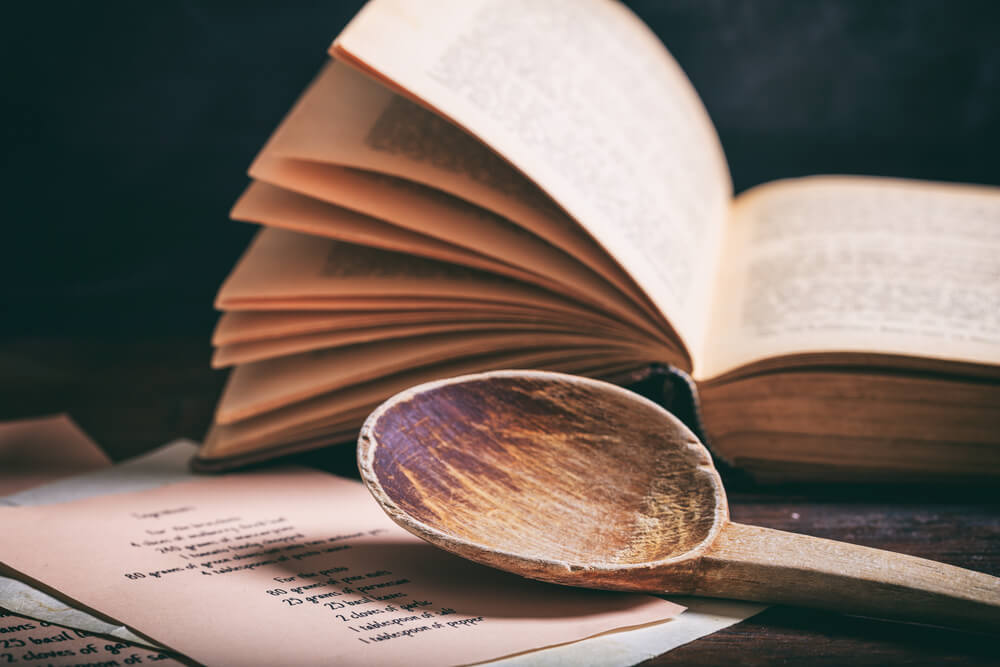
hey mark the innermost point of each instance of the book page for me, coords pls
(250, 326)
(203, 566)
(404, 217)
(345, 119)
(276, 207)
(242, 353)
(281, 264)
(582, 98)
(852, 264)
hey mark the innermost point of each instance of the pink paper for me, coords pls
(35, 451)
(295, 567)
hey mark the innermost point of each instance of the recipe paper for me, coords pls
(165, 465)
(204, 566)
(28, 641)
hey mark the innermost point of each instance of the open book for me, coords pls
(481, 184)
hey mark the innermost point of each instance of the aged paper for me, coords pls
(333, 271)
(38, 629)
(169, 465)
(306, 555)
(582, 98)
(347, 119)
(276, 207)
(35, 451)
(623, 649)
(249, 326)
(424, 210)
(165, 465)
(855, 264)
(243, 353)
(28, 641)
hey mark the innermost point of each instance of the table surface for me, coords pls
(133, 395)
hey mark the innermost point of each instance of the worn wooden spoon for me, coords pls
(580, 482)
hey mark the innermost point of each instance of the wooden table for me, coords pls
(132, 395)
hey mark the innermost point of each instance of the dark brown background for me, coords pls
(127, 129)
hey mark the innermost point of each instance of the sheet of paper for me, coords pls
(165, 465)
(621, 649)
(169, 464)
(35, 451)
(200, 565)
(20, 598)
(859, 264)
(28, 641)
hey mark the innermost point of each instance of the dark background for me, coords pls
(128, 127)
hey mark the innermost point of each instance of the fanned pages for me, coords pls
(484, 184)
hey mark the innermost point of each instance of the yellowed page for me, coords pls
(428, 223)
(853, 264)
(266, 385)
(276, 207)
(580, 96)
(252, 326)
(280, 264)
(370, 304)
(345, 118)
(293, 566)
(242, 353)
(284, 269)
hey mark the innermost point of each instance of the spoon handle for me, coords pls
(751, 563)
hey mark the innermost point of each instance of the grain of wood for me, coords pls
(579, 482)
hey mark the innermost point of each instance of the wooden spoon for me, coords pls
(580, 482)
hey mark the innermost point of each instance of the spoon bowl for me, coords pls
(580, 482)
